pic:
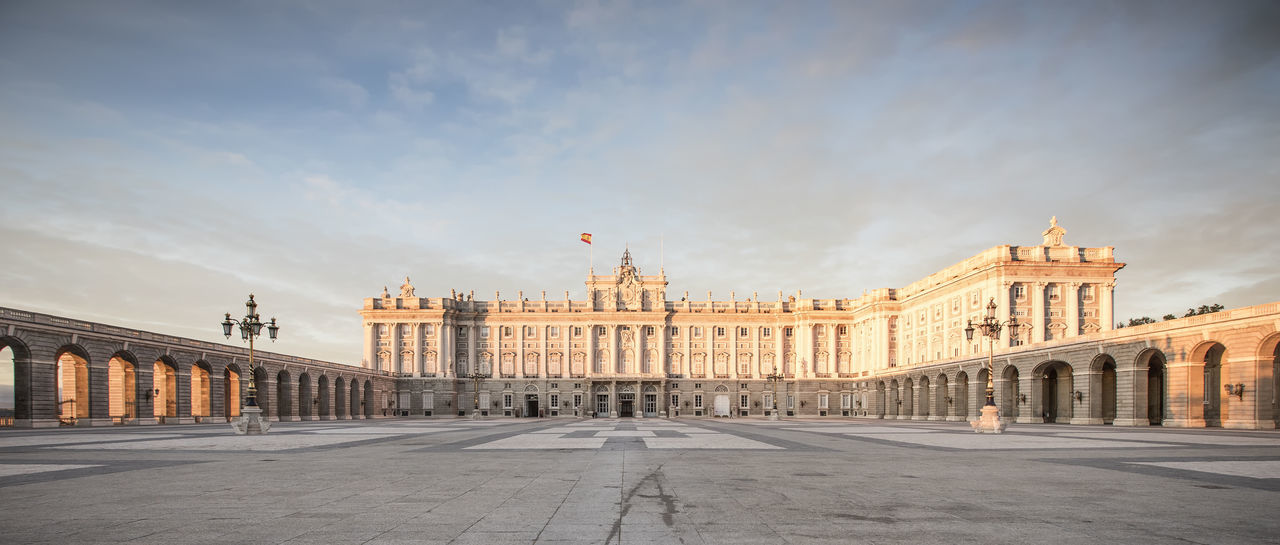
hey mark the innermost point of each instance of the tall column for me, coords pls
(1106, 302)
(686, 365)
(1003, 311)
(757, 368)
(370, 345)
(520, 350)
(1037, 311)
(448, 341)
(589, 366)
(733, 350)
(612, 366)
(418, 360)
(663, 353)
(709, 366)
(1073, 309)
(473, 340)
(641, 341)
(833, 349)
(397, 342)
(544, 365)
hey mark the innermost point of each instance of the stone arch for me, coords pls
(122, 387)
(164, 389)
(601, 362)
(1053, 398)
(356, 401)
(261, 393)
(907, 409)
(942, 398)
(231, 398)
(922, 401)
(22, 405)
(880, 399)
(1209, 356)
(306, 397)
(1151, 392)
(894, 402)
(961, 401)
(1102, 390)
(1010, 392)
(340, 405)
(323, 408)
(369, 399)
(284, 396)
(531, 388)
(201, 391)
(720, 388)
(71, 383)
(1268, 355)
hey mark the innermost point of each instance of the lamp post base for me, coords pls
(251, 422)
(990, 421)
(773, 415)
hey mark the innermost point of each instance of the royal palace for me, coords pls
(629, 349)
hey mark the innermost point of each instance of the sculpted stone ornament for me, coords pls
(406, 289)
(1053, 235)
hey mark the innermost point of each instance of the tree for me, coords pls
(1204, 309)
(1168, 317)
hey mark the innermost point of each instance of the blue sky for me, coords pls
(159, 161)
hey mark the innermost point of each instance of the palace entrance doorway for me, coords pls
(531, 405)
(626, 405)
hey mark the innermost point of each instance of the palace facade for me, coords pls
(630, 349)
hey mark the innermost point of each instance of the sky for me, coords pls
(159, 161)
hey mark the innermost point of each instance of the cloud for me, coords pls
(354, 94)
(404, 93)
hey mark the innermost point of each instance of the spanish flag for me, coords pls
(586, 237)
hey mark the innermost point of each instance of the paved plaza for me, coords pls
(638, 481)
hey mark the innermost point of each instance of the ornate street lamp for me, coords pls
(990, 327)
(476, 378)
(250, 328)
(773, 379)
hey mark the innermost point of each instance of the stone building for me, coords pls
(630, 349)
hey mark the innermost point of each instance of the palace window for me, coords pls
(530, 331)
(462, 332)
(555, 385)
(1053, 292)
(844, 330)
(577, 331)
(648, 330)
(791, 401)
(624, 328)
(697, 386)
(506, 401)
(822, 401)
(742, 386)
(555, 401)
(484, 333)
(787, 331)
(697, 401)
(506, 331)
(675, 400)
(697, 332)
(766, 332)
(601, 331)
(744, 401)
(675, 385)
(1019, 291)
(742, 332)
(384, 330)
(768, 400)
(1086, 292)
(577, 400)
(719, 331)
(845, 401)
(555, 332)
(430, 330)
(675, 332)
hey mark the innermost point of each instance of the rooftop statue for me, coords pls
(1053, 235)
